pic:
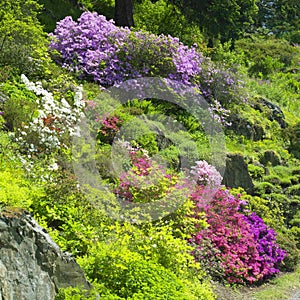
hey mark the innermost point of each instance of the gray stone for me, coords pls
(32, 266)
(244, 127)
(269, 156)
(237, 174)
(275, 112)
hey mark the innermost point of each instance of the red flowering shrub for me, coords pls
(145, 181)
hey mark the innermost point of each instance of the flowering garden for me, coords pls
(207, 232)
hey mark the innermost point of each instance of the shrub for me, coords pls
(22, 40)
(287, 242)
(96, 49)
(129, 275)
(267, 56)
(262, 188)
(51, 123)
(243, 249)
(256, 172)
(19, 105)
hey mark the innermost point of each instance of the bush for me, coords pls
(97, 50)
(19, 106)
(22, 40)
(287, 242)
(129, 275)
(242, 249)
(267, 56)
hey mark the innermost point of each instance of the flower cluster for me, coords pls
(110, 125)
(219, 113)
(265, 237)
(236, 246)
(96, 49)
(205, 174)
(146, 181)
(54, 120)
(244, 248)
(89, 47)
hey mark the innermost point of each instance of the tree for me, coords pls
(220, 19)
(278, 16)
(124, 13)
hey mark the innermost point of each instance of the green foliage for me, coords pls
(157, 16)
(20, 106)
(287, 242)
(77, 293)
(263, 188)
(294, 37)
(70, 216)
(279, 17)
(145, 274)
(22, 40)
(266, 56)
(224, 20)
(16, 190)
(294, 136)
(256, 172)
(55, 10)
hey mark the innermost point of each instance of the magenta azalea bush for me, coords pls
(97, 50)
(242, 248)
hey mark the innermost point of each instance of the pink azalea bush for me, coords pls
(243, 249)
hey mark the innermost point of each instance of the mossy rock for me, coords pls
(273, 111)
(270, 156)
(246, 128)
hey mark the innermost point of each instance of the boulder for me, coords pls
(269, 156)
(274, 111)
(236, 173)
(32, 266)
(244, 127)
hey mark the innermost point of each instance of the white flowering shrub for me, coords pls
(54, 121)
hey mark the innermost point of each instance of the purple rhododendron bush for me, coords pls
(97, 50)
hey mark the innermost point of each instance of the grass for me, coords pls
(282, 287)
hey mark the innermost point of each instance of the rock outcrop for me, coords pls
(237, 174)
(32, 266)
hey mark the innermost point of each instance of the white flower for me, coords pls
(53, 167)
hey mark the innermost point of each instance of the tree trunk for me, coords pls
(124, 13)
